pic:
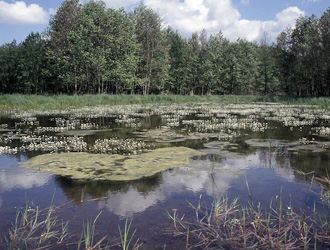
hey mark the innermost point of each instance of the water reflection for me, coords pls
(22, 179)
(12, 177)
(241, 144)
(131, 202)
(211, 174)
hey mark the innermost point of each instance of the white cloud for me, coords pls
(253, 30)
(244, 2)
(285, 18)
(119, 4)
(195, 15)
(20, 13)
(190, 16)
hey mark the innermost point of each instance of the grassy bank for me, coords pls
(58, 101)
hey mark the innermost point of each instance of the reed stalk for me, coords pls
(228, 225)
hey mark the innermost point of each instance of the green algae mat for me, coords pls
(114, 167)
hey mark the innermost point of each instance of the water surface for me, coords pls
(274, 149)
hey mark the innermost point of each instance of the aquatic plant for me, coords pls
(126, 238)
(226, 224)
(117, 146)
(36, 229)
(88, 236)
(86, 166)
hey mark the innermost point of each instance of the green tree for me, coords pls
(9, 61)
(179, 64)
(122, 52)
(324, 28)
(268, 82)
(305, 41)
(153, 62)
(62, 52)
(194, 49)
(33, 64)
(285, 60)
(89, 41)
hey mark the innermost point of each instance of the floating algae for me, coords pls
(86, 166)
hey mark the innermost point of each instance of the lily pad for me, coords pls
(86, 166)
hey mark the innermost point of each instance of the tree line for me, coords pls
(91, 49)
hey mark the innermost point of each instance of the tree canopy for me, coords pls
(88, 48)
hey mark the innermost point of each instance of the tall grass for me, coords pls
(36, 229)
(59, 101)
(41, 229)
(226, 224)
(126, 238)
(88, 236)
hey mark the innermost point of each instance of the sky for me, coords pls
(246, 19)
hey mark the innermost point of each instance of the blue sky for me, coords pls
(247, 19)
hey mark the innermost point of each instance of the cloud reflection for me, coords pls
(196, 178)
(191, 178)
(21, 178)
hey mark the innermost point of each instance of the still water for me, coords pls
(250, 151)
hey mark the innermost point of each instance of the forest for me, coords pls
(91, 49)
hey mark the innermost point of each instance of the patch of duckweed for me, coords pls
(86, 166)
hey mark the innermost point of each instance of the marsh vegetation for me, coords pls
(254, 175)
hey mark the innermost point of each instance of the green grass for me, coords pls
(18, 101)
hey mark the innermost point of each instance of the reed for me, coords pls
(227, 224)
(126, 239)
(36, 229)
(88, 235)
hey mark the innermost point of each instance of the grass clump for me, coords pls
(41, 229)
(126, 238)
(226, 224)
(88, 236)
(36, 229)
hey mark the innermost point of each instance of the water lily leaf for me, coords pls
(86, 166)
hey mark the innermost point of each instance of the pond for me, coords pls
(144, 162)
